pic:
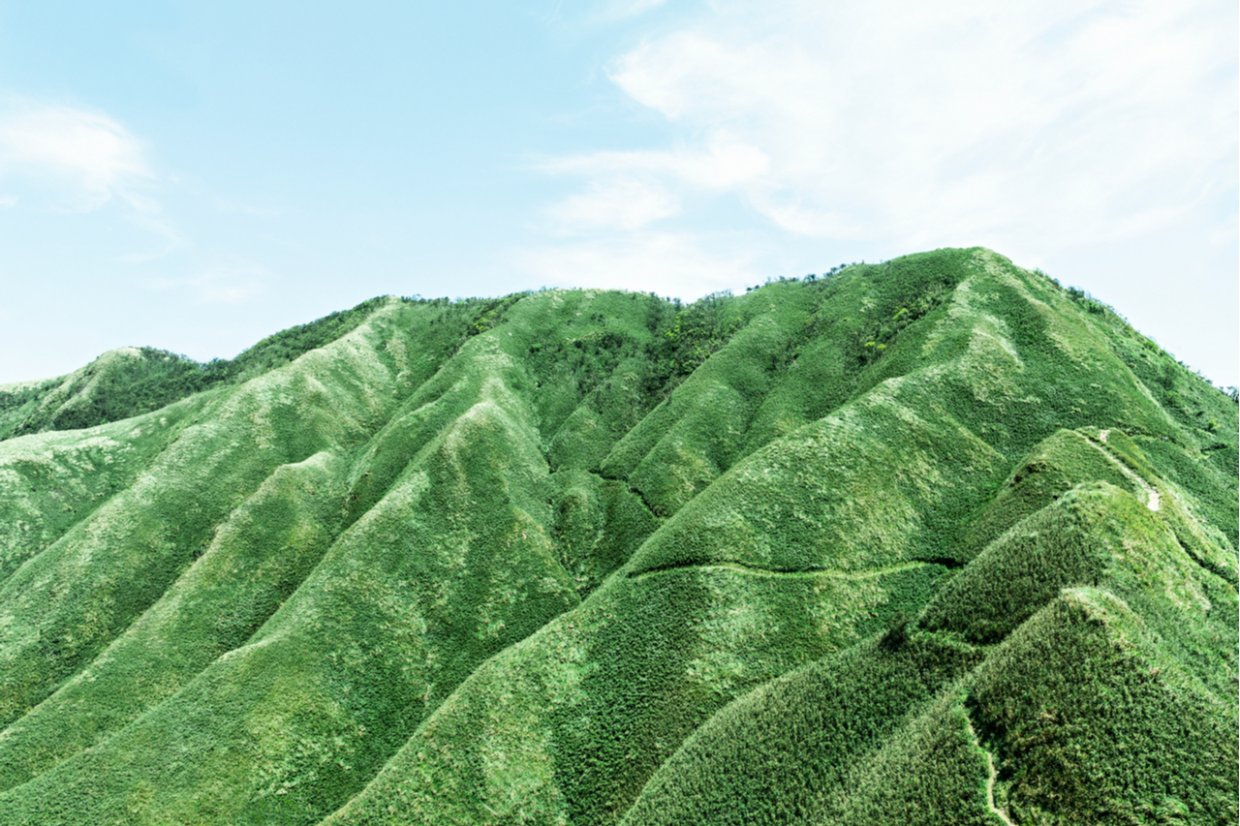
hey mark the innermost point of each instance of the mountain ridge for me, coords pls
(506, 560)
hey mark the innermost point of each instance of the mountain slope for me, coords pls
(133, 380)
(932, 540)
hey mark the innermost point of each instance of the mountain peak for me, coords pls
(878, 546)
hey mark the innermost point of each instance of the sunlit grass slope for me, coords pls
(931, 541)
(133, 380)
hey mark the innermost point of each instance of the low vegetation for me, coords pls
(929, 541)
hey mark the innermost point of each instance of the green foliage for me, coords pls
(1083, 694)
(694, 334)
(1091, 304)
(883, 331)
(783, 752)
(491, 312)
(594, 557)
(132, 381)
(115, 386)
(289, 344)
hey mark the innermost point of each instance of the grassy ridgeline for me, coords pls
(801, 555)
(134, 380)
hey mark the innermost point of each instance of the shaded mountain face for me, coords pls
(932, 541)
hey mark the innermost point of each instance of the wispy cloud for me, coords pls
(722, 162)
(620, 202)
(623, 194)
(73, 159)
(1035, 128)
(68, 159)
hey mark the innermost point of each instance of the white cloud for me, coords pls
(626, 192)
(1096, 138)
(1031, 124)
(721, 163)
(667, 263)
(623, 202)
(75, 159)
(61, 158)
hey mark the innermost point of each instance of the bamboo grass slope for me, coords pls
(929, 541)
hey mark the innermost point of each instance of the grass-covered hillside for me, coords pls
(132, 380)
(930, 541)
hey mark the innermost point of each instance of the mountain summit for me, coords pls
(930, 541)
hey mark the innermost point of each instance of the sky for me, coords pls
(195, 176)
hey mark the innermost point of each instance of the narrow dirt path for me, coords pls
(1153, 499)
(990, 791)
(793, 573)
(992, 775)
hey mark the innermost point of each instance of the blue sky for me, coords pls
(194, 176)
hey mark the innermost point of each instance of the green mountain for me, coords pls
(931, 541)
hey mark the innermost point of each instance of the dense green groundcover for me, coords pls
(930, 541)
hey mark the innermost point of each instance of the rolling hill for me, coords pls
(929, 541)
